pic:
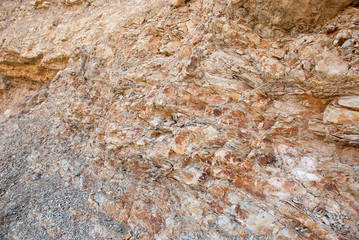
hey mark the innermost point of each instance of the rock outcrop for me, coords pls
(276, 17)
(223, 119)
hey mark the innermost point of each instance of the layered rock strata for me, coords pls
(179, 119)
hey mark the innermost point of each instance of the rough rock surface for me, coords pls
(275, 17)
(201, 119)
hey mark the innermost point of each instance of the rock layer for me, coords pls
(288, 15)
(178, 120)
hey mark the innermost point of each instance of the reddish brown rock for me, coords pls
(179, 119)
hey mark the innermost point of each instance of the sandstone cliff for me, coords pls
(173, 119)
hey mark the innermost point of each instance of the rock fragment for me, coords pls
(341, 116)
(351, 102)
(177, 3)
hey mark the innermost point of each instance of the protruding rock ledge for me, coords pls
(351, 102)
(340, 121)
(341, 116)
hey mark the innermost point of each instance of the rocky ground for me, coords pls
(201, 119)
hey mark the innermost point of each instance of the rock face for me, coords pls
(179, 119)
(287, 15)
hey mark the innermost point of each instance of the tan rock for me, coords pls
(289, 14)
(286, 234)
(332, 66)
(133, 119)
(351, 102)
(72, 2)
(317, 127)
(177, 3)
(3, 84)
(341, 116)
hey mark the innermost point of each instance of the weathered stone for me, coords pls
(3, 84)
(72, 2)
(178, 119)
(289, 14)
(341, 116)
(351, 102)
(332, 66)
(177, 3)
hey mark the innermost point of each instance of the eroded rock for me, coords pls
(137, 120)
(351, 102)
(341, 116)
(177, 3)
(289, 14)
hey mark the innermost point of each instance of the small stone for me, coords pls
(36, 177)
(316, 127)
(170, 48)
(3, 85)
(71, 2)
(192, 64)
(42, 4)
(128, 236)
(307, 66)
(325, 220)
(348, 43)
(177, 3)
